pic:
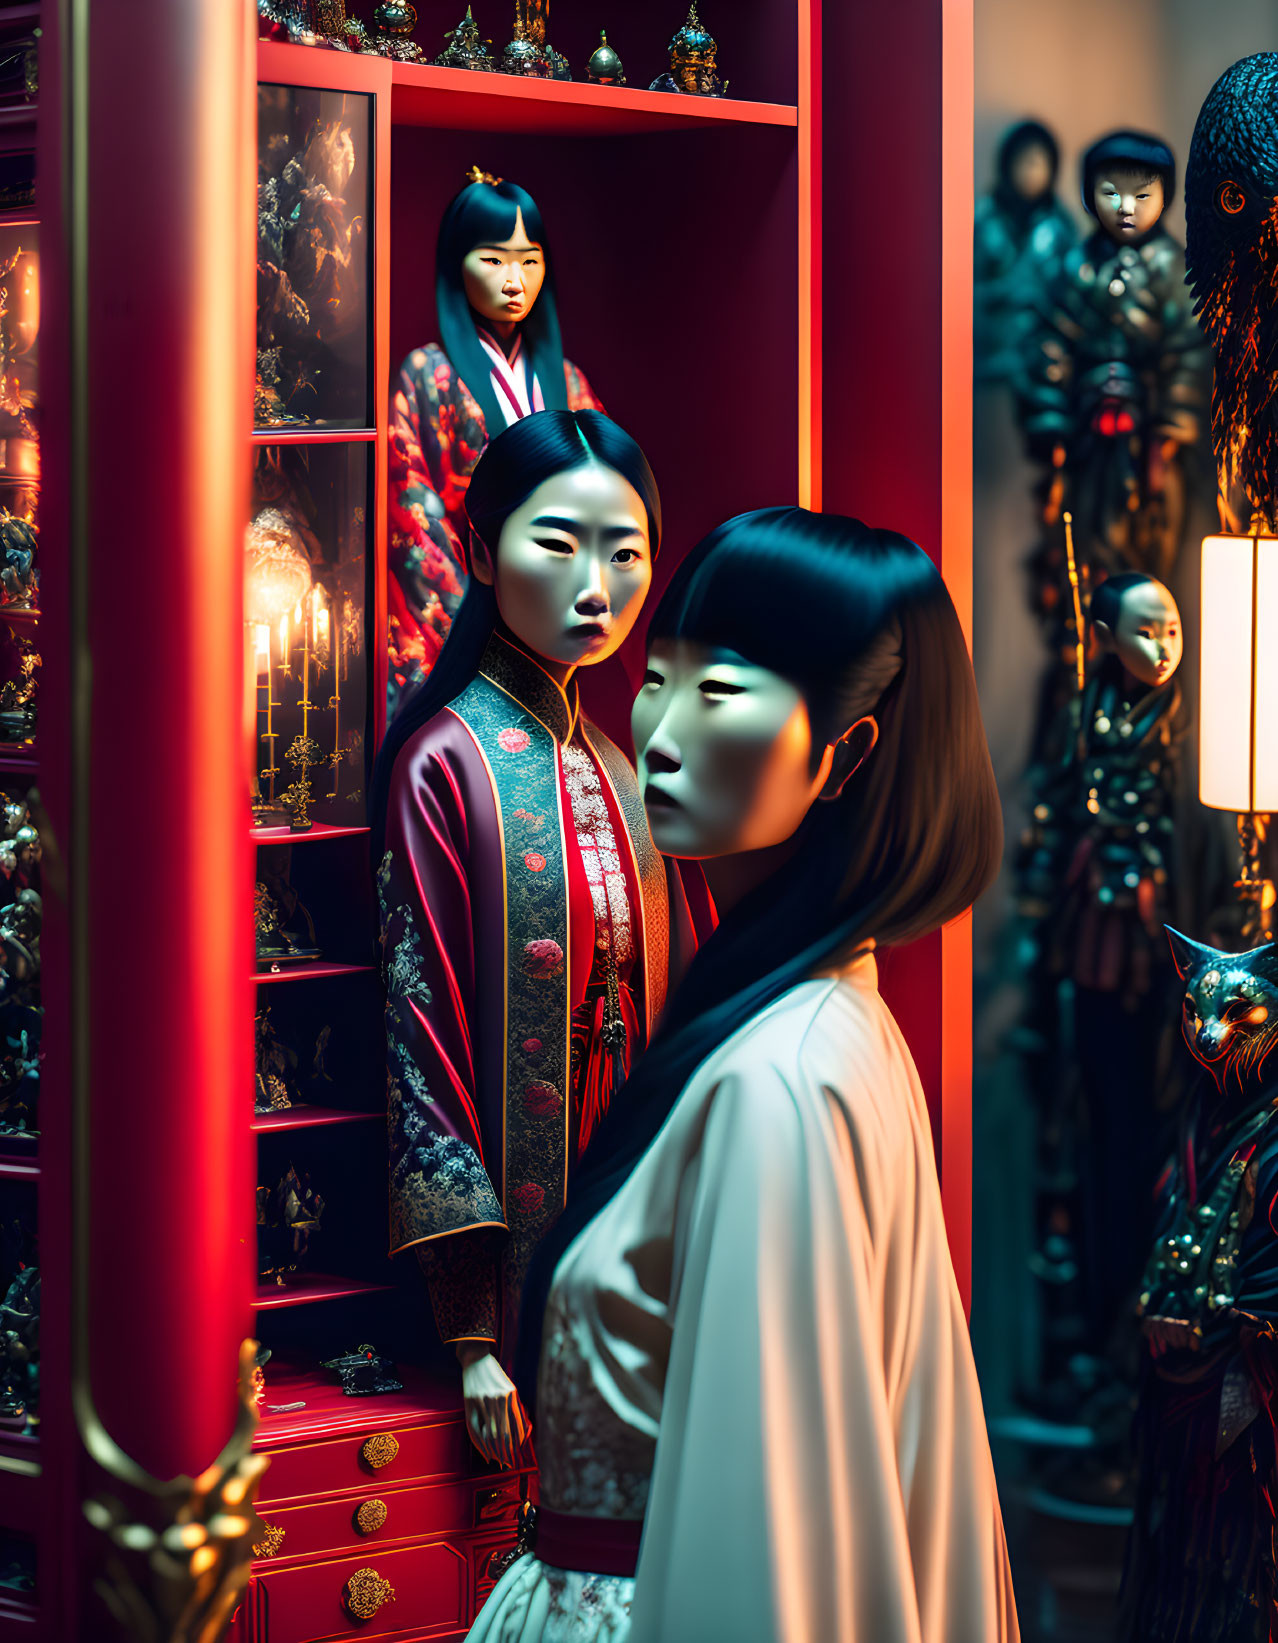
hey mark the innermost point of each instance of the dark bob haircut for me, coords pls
(861, 622)
(1106, 604)
(486, 214)
(1028, 134)
(520, 458)
(1128, 151)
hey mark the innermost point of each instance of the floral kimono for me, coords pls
(527, 934)
(437, 435)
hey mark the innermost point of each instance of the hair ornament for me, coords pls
(475, 175)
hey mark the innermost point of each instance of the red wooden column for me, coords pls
(150, 1059)
(897, 408)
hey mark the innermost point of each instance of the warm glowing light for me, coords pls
(1238, 739)
(284, 637)
(277, 572)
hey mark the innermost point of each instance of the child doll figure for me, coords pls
(1115, 375)
(1022, 234)
(1200, 1558)
(1096, 876)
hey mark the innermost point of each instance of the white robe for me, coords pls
(758, 1347)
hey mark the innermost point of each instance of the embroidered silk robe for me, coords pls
(437, 435)
(522, 904)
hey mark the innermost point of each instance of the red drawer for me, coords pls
(351, 1461)
(310, 1604)
(378, 1516)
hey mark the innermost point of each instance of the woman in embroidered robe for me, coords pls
(757, 1411)
(499, 358)
(525, 913)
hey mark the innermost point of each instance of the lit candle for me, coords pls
(284, 639)
(262, 646)
(316, 602)
(321, 637)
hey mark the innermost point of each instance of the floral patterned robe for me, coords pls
(437, 435)
(518, 867)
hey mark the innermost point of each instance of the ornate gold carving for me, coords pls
(174, 1557)
(370, 1516)
(366, 1591)
(379, 1450)
(270, 1542)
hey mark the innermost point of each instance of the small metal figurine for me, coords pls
(604, 67)
(364, 1372)
(465, 48)
(277, 912)
(393, 23)
(1231, 242)
(288, 1216)
(1201, 1542)
(19, 582)
(521, 56)
(693, 54)
(275, 1079)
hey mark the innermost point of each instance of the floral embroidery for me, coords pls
(577, 1607)
(438, 1184)
(513, 741)
(532, 1048)
(542, 1100)
(404, 972)
(528, 1197)
(543, 958)
(534, 863)
(599, 855)
(534, 824)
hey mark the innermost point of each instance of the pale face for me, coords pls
(503, 281)
(1031, 172)
(1147, 638)
(574, 565)
(724, 751)
(1127, 203)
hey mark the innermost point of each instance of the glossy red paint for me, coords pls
(897, 315)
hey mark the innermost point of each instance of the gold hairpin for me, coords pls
(475, 175)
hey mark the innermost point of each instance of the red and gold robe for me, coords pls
(523, 906)
(437, 435)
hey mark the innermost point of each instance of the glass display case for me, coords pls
(313, 253)
(307, 598)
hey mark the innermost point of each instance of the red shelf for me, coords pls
(18, 1169)
(306, 1117)
(321, 830)
(306, 1287)
(293, 435)
(7, 613)
(460, 100)
(329, 1411)
(309, 970)
(18, 761)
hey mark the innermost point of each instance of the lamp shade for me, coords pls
(1238, 732)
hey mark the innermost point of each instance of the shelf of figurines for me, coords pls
(309, 835)
(267, 435)
(306, 1288)
(307, 970)
(457, 99)
(305, 1117)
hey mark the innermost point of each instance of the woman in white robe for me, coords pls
(757, 1411)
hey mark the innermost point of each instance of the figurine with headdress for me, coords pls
(466, 48)
(693, 61)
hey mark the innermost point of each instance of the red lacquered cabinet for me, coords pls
(725, 280)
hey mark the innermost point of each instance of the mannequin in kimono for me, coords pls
(525, 913)
(757, 1411)
(498, 359)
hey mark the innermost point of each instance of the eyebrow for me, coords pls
(609, 533)
(514, 251)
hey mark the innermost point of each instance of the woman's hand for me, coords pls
(495, 1418)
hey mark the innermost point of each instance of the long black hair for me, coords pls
(485, 214)
(520, 458)
(861, 622)
(1135, 151)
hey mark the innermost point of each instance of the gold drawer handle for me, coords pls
(370, 1516)
(366, 1591)
(270, 1542)
(380, 1450)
